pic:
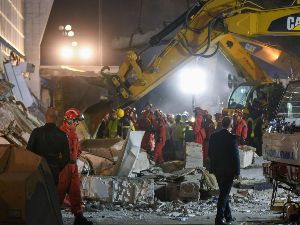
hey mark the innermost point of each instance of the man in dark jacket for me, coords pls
(225, 165)
(49, 142)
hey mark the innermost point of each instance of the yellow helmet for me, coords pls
(246, 111)
(225, 110)
(120, 113)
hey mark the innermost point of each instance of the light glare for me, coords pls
(67, 52)
(74, 43)
(71, 34)
(85, 53)
(68, 27)
(193, 80)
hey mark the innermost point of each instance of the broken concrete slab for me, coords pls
(168, 167)
(142, 162)
(194, 156)
(190, 189)
(118, 189)
(129, 154)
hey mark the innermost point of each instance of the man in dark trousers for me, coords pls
(49, 142)
(225, 165)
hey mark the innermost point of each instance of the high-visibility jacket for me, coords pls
(180, 130)
(113, 128)
(250, 120)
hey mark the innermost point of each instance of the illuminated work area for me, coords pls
(149, 112)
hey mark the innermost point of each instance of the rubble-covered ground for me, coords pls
(253, 207)
(248, 204)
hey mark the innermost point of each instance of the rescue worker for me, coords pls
(178, 136)
(218, 118)
(133, 118)
(113, 130)
(146, 123)
(172, 119)
(250, 126)
(225, 112)
(168, 153)
(209, 129)
(101, 133)
(240, 127)
(160, 137)
(69, 181)
(126, 123)
(199, 132)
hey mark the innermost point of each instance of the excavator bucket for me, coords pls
(90, 95)
(28, 194)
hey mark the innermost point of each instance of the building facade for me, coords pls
(12, 24)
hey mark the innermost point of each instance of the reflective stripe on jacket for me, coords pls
(113, 128)
(251, 120)
(180, 130)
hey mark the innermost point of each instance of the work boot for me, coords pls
(81, 220)
(230, 220)
(220, 222)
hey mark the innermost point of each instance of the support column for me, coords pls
(36, 17)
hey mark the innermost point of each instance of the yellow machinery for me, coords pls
(207, 23)
(27, 192)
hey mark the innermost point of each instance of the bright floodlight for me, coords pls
(193, 80)
(85, 53)
(68, 27)
(74, 43)
(70, 33)
(67, 52)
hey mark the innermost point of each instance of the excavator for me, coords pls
(206, 24)
(244, 94)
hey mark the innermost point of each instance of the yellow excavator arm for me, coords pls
(242, 61)
(206, 23)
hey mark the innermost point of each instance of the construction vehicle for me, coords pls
(244, 94)
(281, 143)
(203, 30)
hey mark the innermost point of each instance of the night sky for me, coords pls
(120, 18)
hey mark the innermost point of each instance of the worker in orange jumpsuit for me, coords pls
(69, 181)
(209, 129)
(240, 128)
(197, 129)
(160, 137)
(147, 123)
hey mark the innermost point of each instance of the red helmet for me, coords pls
(218, 115)
(158, 112)
(129, 109)
(238, 110)
(197, 110)
(168, 115)
(205, 113)
(73, 114)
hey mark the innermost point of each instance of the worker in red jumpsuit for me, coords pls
(209, 129)
(69, 181)
(197, 129)
(160, 137)
(147, 123)
(240, 128)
